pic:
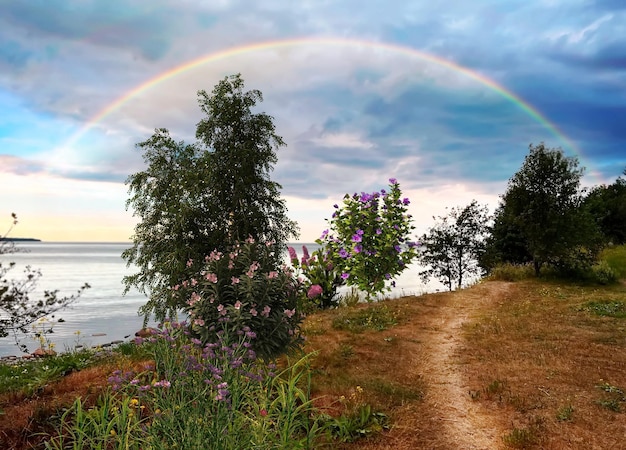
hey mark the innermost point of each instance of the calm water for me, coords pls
(102, 309)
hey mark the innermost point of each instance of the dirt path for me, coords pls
(464, 423)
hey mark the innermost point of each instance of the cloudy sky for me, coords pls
(444, 96)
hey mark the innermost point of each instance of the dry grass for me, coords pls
(499, 365)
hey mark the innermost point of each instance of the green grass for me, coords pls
(375, 317)
(30, 376)
(607, 308)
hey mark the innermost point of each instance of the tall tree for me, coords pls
(196, 198)
(541, 209)
(453, 246)
(607, 205)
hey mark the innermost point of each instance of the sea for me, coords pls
(102, 314)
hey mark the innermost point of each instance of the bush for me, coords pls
(602, 273)
(512, 272)
(244, 288)
(322, 280)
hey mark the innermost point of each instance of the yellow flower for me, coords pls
(359, 389)
(134, 402)
(113, 433)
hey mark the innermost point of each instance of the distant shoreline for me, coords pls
(10, 239)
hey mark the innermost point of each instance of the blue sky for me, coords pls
(354, 111)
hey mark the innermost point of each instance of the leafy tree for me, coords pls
(18, 310)
(369, 239)
(209, 195)
(607, 205)
(540, 215)
(453, 246)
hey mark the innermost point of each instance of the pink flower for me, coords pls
(253, 312)
(266, 311)
(237, 305)
(199, 322)
(190, 262)
(314, 291)
(272, 275)
(305, 252)
(194, 298)
(194, 281)
(234, 280)
(290, 312)
(211, 277)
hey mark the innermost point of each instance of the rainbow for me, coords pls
(326, 41)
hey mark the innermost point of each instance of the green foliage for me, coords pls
(540, 218)
(193, 198)
(613, 398)
(602, 273)
(565, 413)
(244, 287)
(454, 245)
(615, 257)
(322, 280)
(377, 317)
(357, 420)
(607, 205)
(18, 310)
(610, 308)
(29, 377)
(196, 395)
(511, 272)
(369, 239)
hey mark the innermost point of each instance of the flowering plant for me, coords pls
(245, 287)
(368, 240)
(322, 280)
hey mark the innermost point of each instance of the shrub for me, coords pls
(369, 239)
(245, 288)
(512, 272)
(322, 280)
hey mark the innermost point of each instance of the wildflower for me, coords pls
(253, 312)
(357, 238)
(196, 341)
(397, 247)
(314, 291)
(189, 262)
(343, 253)
(357, 248)
(134, 402)
(237, 305)
(162, 383)
(272, 274)
(379, 231)
(292, 254)
(290, 312)
(266, 311)
(263, 412)
(360, 232)
(393, 181)
(211, 277)
(345, 276)
(406, 201)
(199, 322)
(387, 276)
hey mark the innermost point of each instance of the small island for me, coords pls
(12, 239)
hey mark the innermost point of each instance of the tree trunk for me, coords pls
(537, 265)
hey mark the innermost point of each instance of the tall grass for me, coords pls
(615, 257)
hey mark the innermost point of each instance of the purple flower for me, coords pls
(379, 231)
(357, 238)
(387, 276)
(345, 276)
(406, 201)
(360, 232)
(397, 247)
(292, 254)
(335, 205)
(305, 252)
(393, 181)
(343, 253)
(357, 249)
